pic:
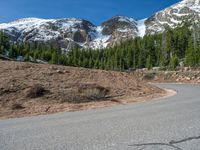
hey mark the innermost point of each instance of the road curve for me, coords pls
(172, 123)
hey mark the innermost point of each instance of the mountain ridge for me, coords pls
(70, 32)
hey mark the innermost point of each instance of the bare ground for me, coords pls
(28, 89)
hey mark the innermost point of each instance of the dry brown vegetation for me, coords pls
(35, 91)
(30, 89)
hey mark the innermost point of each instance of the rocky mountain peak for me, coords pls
(119, 28)
(191, 2)
(186, 10)
(118, 23)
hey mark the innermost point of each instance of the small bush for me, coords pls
(17, 107)
(36, 91)
(93, 91)
(149, 76)
(72, 96)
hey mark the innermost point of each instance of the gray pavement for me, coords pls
(172, 123)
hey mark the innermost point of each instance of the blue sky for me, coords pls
(96, 11)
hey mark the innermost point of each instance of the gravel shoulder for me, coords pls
(192, 76)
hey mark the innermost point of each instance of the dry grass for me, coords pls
(39, 88)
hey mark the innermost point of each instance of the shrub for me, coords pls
(17, 107)
(93, 91)
(149, 76)
(36, 91)
(71, 96)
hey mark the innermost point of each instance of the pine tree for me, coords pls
(54, 58)
(149, 63)
(26, 58)
(4, 43)
(161, 62)
(173, 63)
(190, 54)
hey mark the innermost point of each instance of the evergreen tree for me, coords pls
(173, 63)
(148, 63)
(54, 58)
(4, 43)
(190, 54)
(161, 62)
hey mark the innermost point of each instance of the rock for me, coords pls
(156, 69)
(59, 71)
(80, 36)
(66, 71)
(187, 78)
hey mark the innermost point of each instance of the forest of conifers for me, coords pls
(165, 50)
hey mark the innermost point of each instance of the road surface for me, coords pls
(164, 124)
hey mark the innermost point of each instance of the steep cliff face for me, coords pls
(119, 28)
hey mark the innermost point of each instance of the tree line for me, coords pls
(165, 50)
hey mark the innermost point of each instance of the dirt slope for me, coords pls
(28, 89)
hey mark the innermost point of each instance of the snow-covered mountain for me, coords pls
(120, 28)
(186, 10)
(63, 32)
(69, 32)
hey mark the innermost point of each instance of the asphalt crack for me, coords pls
(171, 144)
(157, 144)
(185, 140)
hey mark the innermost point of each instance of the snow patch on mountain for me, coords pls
(100, 40)
(174, 16)
(126, 19)
(192, 4)
(141, 27)
(25, 24)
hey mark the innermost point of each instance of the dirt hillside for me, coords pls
(28, 89)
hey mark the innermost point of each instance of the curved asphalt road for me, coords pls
(164, 124)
